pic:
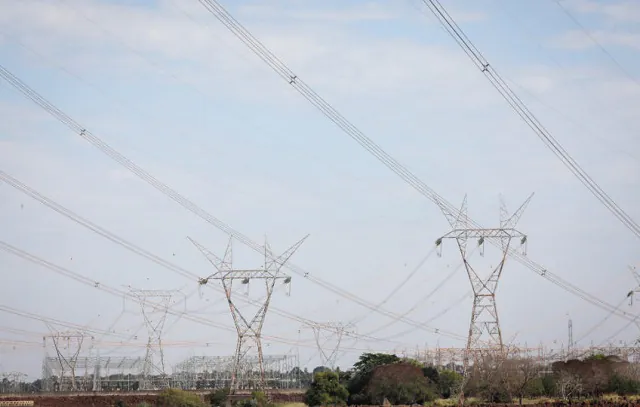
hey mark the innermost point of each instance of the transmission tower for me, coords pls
(632, 293)
(570, 345)
(67, 346)
(484, 328)
(248, 329)
(324, 333)
(154, 305)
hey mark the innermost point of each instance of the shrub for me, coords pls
(179, 398)
(218, 398)
(401, 384)
(326, 390)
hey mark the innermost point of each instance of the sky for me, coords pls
(167, 86)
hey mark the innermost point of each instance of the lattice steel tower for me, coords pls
(248, 330)
(327, 332)
(484, 329)
(67, 346)
(154, 305)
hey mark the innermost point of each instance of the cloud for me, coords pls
(123, 41)
(301, 12)
(623, 11)
(259, 158)
(579, 40)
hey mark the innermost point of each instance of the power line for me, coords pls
(593, 39)
(4, 246)
(450, 211)
(452, 28)
(186, 203)
(18, 185)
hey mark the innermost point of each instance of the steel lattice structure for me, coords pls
(484, 328)
(67, 347)
(248, 329)
(94, 373)
(452, 358)
(323, 333)
(12, 382)
(154, 305)
(209, 372)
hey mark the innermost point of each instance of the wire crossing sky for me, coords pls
(174, 103)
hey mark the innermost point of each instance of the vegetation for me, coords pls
(179, 398)
(377, 378)
(218, 398)
(326, 390)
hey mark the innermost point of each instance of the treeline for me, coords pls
(378, 378)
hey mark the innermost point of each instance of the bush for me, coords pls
(448, 383)
(258, 399)
(179, 398)
(326, 390)
(401, 384)
(622, 386)
(218, 398)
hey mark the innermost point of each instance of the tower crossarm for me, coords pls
(494, 233)
(259, 274)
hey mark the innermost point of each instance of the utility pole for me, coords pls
(484, 327)
(249, 330)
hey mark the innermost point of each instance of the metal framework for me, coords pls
(13, 382)
(154, 305)
(484, 328)
(324, 334)
(209, 372)
(248, 329)
(636, 276)
(67, 346)
(95, 373)
(452, 358)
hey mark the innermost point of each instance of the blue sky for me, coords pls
(167, 86)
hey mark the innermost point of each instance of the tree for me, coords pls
(326, 390)
(362, 370)
(369, 361)
(519, 375)
(448, 382)
(400, 384)
(431, 373)
(321, 369)
(488, 378)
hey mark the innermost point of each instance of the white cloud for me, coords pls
(579, 40)
(326, 55)
(425, 103)
(622, 11)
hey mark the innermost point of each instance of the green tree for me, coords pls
(622, 386)
(432, 374)
(179, 398)
(362, 370)
(549, 385)
(326, 390)
(448, 382)
(401, 384)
